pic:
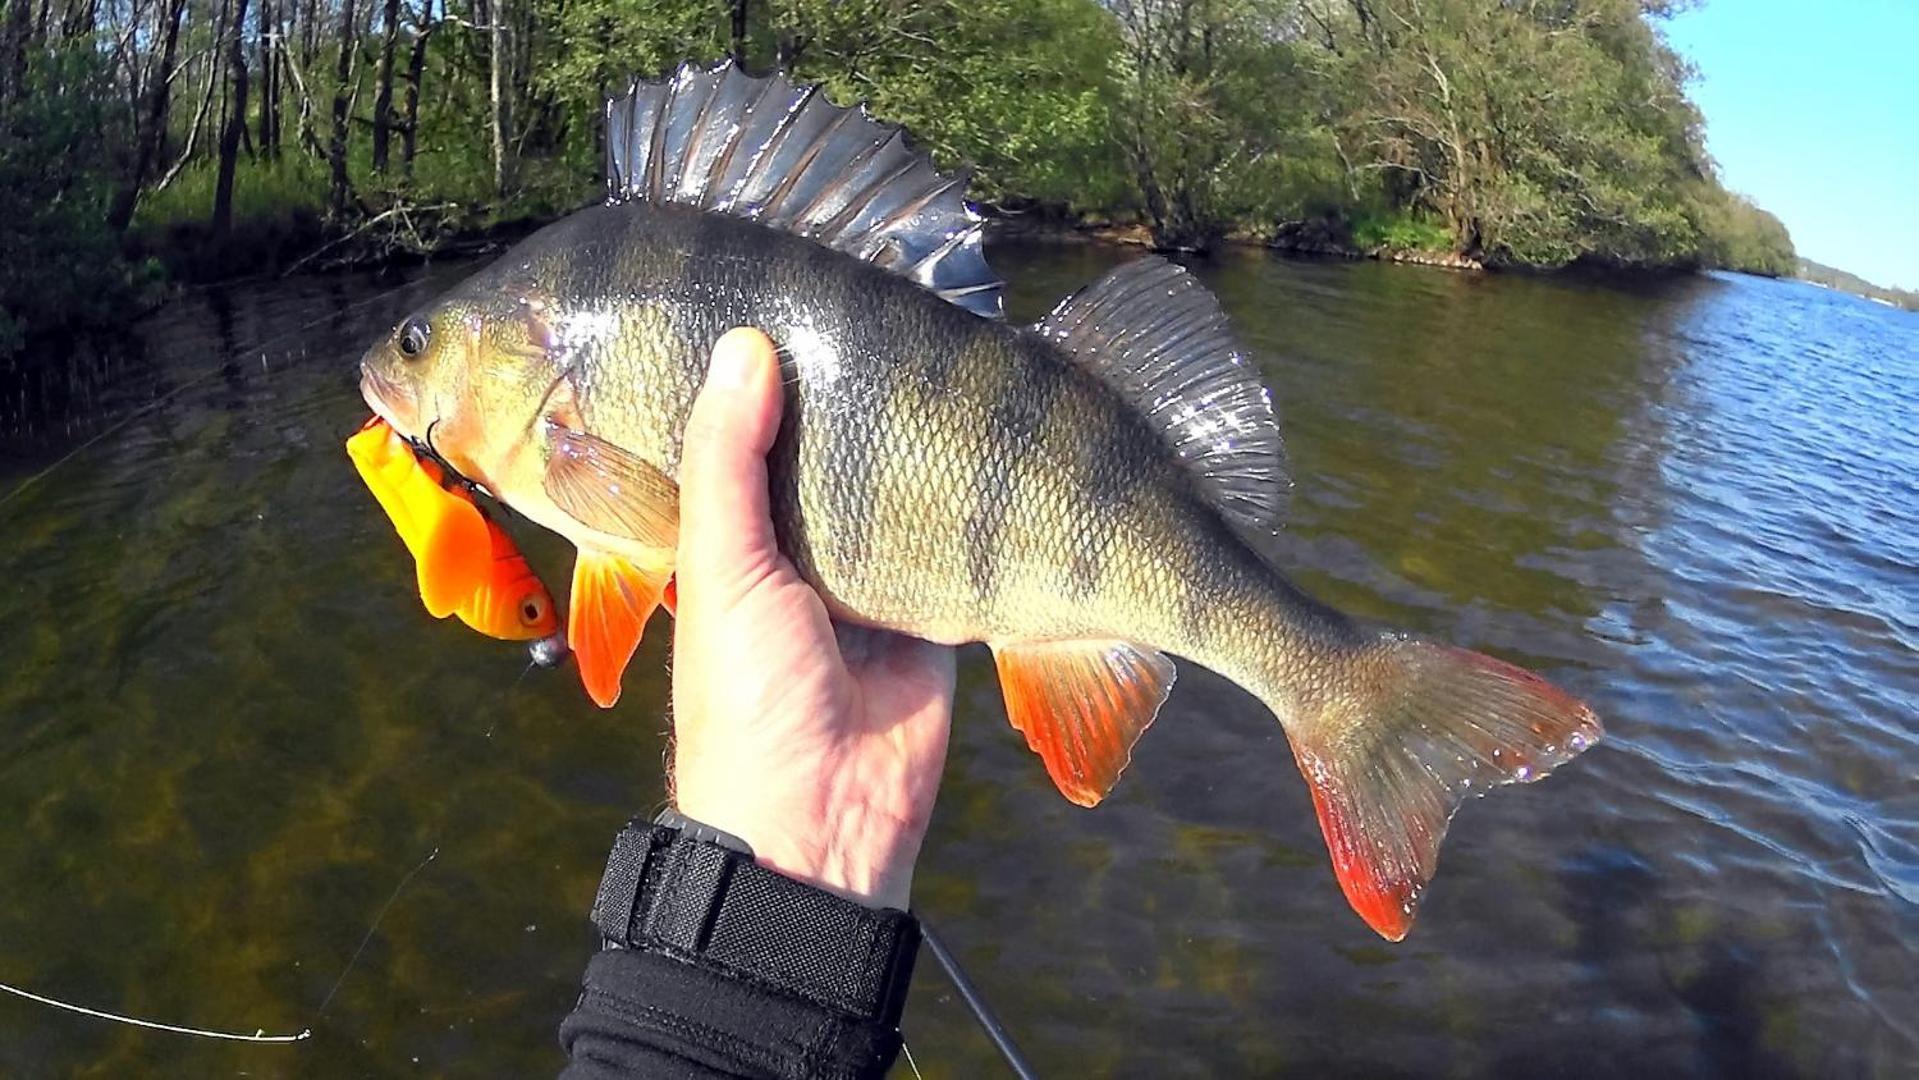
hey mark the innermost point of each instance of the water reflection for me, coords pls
(227, 731)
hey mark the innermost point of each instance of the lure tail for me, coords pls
(1398, 738)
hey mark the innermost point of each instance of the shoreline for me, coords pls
(357, 249)
(1001, 226)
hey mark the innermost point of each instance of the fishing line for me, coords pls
(163, 399)
(970, 994)
(259, 1035)
(371, 930)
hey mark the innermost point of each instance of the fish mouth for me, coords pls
(380, 395)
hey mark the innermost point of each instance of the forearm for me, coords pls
(717, 967)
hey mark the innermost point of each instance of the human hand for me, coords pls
(825, 759)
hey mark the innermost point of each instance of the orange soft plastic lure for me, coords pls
(466, 563)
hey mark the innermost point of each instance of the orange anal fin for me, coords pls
(1082, 705)
(612, 599)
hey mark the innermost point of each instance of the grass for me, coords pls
(1401, 231)
(280, 211)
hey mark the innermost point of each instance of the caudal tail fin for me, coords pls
(1392, 744)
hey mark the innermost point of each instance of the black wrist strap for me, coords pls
(718, 909)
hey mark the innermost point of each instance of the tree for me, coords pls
(497, 97)
(423, 26)
(236, 123)
(342, 189)
(269, 81)
(153, 133)
(383, 82)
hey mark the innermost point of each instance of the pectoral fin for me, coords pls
(607, 488)
(612, 599)
(1082, 705)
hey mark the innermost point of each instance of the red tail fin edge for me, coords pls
(1413, 729)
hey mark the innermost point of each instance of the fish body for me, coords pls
(1011, 493)
(1084, 495)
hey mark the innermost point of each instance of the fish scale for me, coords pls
(1084, 495)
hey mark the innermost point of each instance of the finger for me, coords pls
(724, 523)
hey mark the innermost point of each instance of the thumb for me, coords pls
(725, 528)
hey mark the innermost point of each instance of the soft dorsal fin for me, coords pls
(1153, 331)
(783, 155)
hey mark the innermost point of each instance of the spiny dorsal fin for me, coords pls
(783, 155)
(1152, 330)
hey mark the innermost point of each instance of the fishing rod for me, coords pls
(969, 993)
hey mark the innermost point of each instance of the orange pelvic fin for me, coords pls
(612, 599)
(1082, 705)
(1425, 726)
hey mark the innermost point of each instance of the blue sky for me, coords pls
(1812, 109)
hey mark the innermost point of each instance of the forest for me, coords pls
(147, 141)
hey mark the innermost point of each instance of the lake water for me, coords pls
(228, 731)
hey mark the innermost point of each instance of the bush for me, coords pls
(1401, 230)
(63, 267)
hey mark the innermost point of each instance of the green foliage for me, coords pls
(266, 194)
(62, 267)
(1539, 134)
(1741, 236)
(1220, 117)
(1520, 133)
(1019, 90)
(1401, 231)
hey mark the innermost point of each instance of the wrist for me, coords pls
(853, 847)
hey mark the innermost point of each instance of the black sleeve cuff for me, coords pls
(717, 966)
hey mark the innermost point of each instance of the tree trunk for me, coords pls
(496, 91)
(309, 23)
(336, 150)
(193, 129)
(159, 99)
(383, 87)
(739, 31)
(309, 140)
(235, 126)
(269, 81)
(13, 49)
(415, 71)
(79, 20)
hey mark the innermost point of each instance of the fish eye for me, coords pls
(413, 336)
(532, 609)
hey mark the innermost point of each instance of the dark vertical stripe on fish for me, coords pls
(1109, 475)
(1014, 425)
